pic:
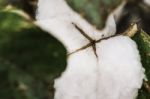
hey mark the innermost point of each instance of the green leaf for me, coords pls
(143, 41)
(30, 58)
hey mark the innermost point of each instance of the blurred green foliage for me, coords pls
(3, 3)
(95, 11)
(143, 41)
(30, 58)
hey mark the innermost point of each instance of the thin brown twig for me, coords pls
(84, 47)
(83, 33)
(129, 32)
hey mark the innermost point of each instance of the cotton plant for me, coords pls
(100, 64)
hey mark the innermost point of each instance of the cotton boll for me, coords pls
(120, 70)
(80, 79)
(115, 73)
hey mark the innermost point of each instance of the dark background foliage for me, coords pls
(30, 58)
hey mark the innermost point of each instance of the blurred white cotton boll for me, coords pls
(147, 2)
(120, 71)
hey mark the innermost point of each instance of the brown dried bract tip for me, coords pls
(146, 85)
(131, 31)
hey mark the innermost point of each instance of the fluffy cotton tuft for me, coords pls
(115, 73)
(120, 71)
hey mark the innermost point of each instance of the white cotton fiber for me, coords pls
(79, 81)
(117, 73)
(120, 70)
